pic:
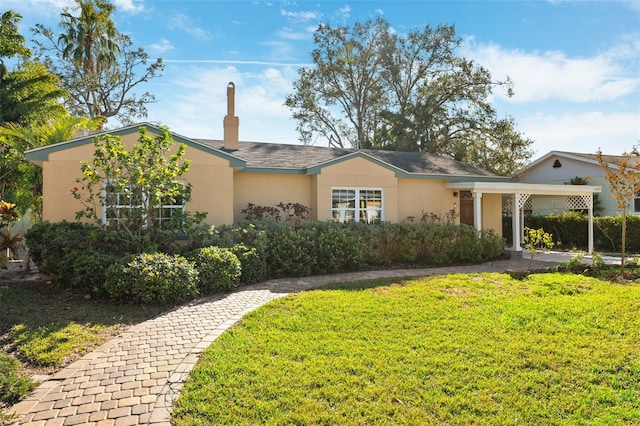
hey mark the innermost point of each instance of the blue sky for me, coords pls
(575, 64)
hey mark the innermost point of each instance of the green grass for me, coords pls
(46, 327)
(460, 349)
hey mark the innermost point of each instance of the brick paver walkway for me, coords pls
(136, 377)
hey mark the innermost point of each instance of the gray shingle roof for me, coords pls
(612, 159)
(283, 156)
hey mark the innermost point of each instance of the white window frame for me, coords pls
(344, 212)
(118, 207)
(635, 203)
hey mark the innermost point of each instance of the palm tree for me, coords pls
(21, 181)
(90, 41)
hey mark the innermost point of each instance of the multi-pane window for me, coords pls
(128, 206)
(364, 205)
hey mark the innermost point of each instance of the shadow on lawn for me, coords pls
(40, 315)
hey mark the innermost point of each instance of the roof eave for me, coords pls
(39, 155)
(525, 188)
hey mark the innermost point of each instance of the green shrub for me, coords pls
(86, 270)
(289, 253)
(246, 241)
(492, 245)
(335, 247)
(570, 231)
(282, 250)
(50, 244)
(153, 278)
(76, 255)
(218, 269)
(13, 387)
(252, 264)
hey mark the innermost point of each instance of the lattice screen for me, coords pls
(556, 202)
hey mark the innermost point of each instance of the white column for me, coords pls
(518, 219)
(477, 210)
(590, 203)
(515, 222)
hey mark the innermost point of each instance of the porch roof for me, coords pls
(524, 188)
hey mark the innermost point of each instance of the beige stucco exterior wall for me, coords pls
(492, 212)
(212, 186)
(416, 196)
(361, 174)
(269, 189)
(210, 176)
(59, 176)
(223, 192)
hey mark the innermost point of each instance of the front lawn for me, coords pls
(458, 349)
(47, 326)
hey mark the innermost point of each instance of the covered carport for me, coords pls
(526, 196)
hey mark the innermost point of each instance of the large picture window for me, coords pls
(364, 205)
(127, 206)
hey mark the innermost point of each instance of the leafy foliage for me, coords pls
(323, 247)
(97, 64)
(373, 88)
(294, 213)
(22, 180)
(28, 93)
(8, 241)
(253, 265)
(218, 269)
(624, 181)
(569, 230)
(53, 246)
(11, 41)
(153, 278)
(537, 239)
(13, 386)
(144, 178)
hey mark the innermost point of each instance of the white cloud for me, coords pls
(290, 34)
(303, 16)
(54, 7)
(345, 12)
(42, 6)
(182, 22)
(195, 105)
(129, 6)
(163, 46)
(582, 132)
(552, 75)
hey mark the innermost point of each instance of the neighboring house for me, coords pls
(337, 184)
(559, 167)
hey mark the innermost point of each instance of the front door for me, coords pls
(466, 208)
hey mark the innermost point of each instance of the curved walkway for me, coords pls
(136, 377)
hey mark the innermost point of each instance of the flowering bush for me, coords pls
(8, 241)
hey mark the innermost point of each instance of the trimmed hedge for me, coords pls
(326, 247)
(570, 231)
(153, 278)
(218, 269)
(87, 258)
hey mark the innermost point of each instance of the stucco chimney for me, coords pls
(231, 122)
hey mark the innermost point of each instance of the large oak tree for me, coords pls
(371, 87)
